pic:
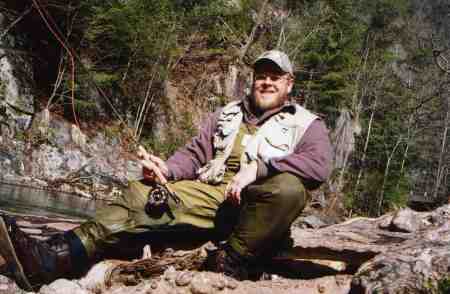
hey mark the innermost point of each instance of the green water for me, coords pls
(18, 199)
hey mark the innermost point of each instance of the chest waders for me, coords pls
(268, 209)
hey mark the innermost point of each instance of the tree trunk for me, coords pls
(251, 37)
(441, 165)
(386, 174)
(366, 144)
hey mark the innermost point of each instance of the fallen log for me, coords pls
(401, 252)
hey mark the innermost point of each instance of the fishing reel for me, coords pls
(158, 201)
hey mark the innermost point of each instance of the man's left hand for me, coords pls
(242, 179)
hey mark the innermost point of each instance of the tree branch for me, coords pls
(17, 20)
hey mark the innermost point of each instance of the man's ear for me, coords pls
(290, 85)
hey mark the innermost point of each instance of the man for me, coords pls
(255, 157)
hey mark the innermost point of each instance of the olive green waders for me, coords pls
(268, 208)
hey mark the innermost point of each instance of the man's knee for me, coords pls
(135, 196)
(290, 187)
(284, 188)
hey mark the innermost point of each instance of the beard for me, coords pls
(264, 99)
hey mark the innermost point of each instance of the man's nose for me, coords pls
(268, 80)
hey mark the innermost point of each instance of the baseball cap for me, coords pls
(279, 58)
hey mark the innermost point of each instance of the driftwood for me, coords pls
(401, 252)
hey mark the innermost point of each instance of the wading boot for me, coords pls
(229, 262)
(33, 262)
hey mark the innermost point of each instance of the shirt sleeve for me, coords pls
(311, 159)
(185, 162)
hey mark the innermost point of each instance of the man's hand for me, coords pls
(153, 167)
(242, 179)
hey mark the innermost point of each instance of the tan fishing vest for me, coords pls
(277, 137)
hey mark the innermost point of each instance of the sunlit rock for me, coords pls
(63, 286)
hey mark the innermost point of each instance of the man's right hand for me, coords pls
(153, 167)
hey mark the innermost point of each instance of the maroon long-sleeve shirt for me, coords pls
(311, 159)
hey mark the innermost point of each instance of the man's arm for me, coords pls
(185, 162)
(311, 160)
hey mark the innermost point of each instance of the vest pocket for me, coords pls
(276, 144)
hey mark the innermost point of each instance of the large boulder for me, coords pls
(16, 84)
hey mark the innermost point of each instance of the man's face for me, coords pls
(271, 86)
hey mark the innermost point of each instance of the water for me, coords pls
(26, 200)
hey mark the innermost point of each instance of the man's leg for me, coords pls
(268, 210)
(43, 262)
(127, 219)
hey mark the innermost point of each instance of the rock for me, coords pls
(46, 162)
(184, 279)
(63, 286)
(96, 278)
(40, 126)
(60, 132)
(219, 284)
(200, 284)
(78, 137)
(310, 221)
(74, 160)
(8, 286)
(16, 76)
(405, 220)
(231, 284)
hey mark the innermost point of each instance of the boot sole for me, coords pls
(8, 252)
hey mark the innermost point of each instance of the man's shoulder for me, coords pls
(232, 107)
(299, 113)
(232, 104)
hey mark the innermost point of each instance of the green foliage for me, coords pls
(396, 193)
(332, 53)
(384, 12)
(173, 139)
(365, 200)
(444, 286)
(85, 110)
(105, 79)
(113, 131)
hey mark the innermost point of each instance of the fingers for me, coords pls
(142, 153)
(156, 159)
(153, 169)
(233, 193)
(160, 163)
(153, 163)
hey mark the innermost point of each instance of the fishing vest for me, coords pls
(277, 137)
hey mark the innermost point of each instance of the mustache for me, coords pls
(267, 88)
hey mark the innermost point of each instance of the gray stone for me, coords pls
(63, 286)
(405, 221)
(184, 279)
(78, 137)
(200, 284)
(310, 221)
(8, 286)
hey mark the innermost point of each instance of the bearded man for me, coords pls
(255, 159)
